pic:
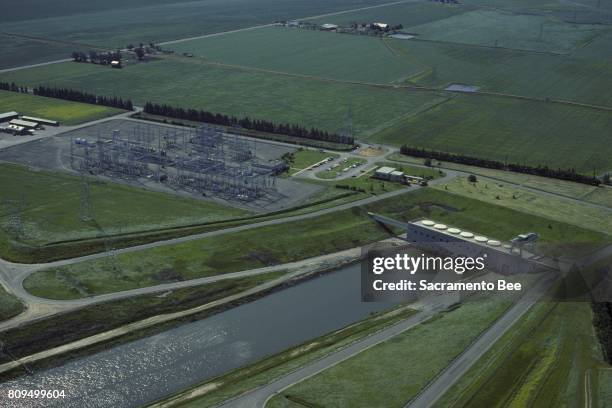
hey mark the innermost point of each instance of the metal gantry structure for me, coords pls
(202, 160)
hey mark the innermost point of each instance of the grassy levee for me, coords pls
(50, 207)
(234, 383)
(66, 112)
(9, 305)
(195, 83)
(546, 206)
(393, 372)
(540, 363)
(511, 130)
(68, 327)
(292, 241)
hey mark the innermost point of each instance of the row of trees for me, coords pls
(545, 171)
(247, 123)
(602, 321)
(13, 87)
(79, 96)
(95, 57)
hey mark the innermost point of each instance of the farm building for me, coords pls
(5, 117)
(24, 123)
(389, 173)
(47, 122)
(381, 26)
(329, 27)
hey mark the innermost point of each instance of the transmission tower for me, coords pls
(85, 210)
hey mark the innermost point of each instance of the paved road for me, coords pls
(259, 396)
(477, 349)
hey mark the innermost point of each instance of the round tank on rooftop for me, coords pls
(440, 226)
(480, 238)
(428, 223)
(466, 234)
(493, 243)
(454, 230)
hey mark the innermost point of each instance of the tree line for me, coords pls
(79, 96)
(13, 87)
(545, 171)
(602, 321)
(247, 123)
(95, 57)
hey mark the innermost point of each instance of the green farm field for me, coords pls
(569, 78)
(115, 23)
(408, 14)
(316, 53)
(66, 112)
(512, 130)
(18, 51)
(192, 83)
(298, 240)
(508, 30)
(52, 201)
(393, 372)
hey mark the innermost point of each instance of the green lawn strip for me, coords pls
(543, 205)
(541, 362)
(510, 130)
(393, 372)
(292, 241)
(88, 321)
(330, 173)
(264, 371)
(304, 158)
(598, 195)
(10, 306)
(66, 112)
